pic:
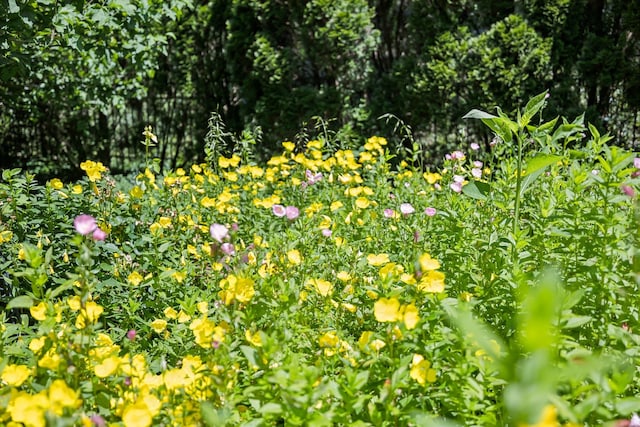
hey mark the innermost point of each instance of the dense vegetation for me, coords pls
(82, 79)
(326, 287)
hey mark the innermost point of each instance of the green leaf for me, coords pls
(476, 190)
(541, 161)
(23, 301)
(271, 408)
(479, 114)
(532, 108)
(500, 125)
(13, 7)
(628, 405)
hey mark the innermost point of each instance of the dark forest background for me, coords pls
(81, 79)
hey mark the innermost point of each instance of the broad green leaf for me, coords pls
(271, 408)
(628, 405)
(541, 161)
(532, 108)
(479, 114)
(23, 301)
(576, 321)
(476, 190)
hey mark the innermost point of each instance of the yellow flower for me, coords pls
(159, 325)
(329, 339)
(335, 206)
(427, 263)
(137, 415)
(294, 257)
(236, 288)
(62, 396)
(170, 313)
(421, 370)
(74, 303)
(28, 409)
(343, 276)
(89, 314)
(50, 360)
(37, 344)
(288, 145)
(93, 169)
(203, 307)
(253, 338)
(15, 375)
(432, 178)
(76, 189)
(5, 236)
(377, 260)
(56, 184)
(323, 287)
(432, 282)
(107, 367)
(548, 418)
(410, 316)
(387, 310)
(363, 202)
(135, 278)
(39, 311)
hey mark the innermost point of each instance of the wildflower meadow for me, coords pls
(330, 285)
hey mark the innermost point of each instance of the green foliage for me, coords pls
(327, 286)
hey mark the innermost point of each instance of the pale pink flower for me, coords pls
(99, 234)
(326, 232)
(458, 178)
(406, 208)
(477, 164)
(635, 421)
(636, 162)
(628, 190)
(85, 224)
(292, 212)
(388, 213)
(457, 155)
(279, 210)
(312, 178)
(430, 211)
(228, 248)
(456, 186)
(475, 146)
(219, 232)
(476, 172)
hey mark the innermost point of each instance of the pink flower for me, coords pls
(430, 211)
(388, 213)
(85, 224)
(326, 232)
(219, 232)
(475, 146)
(228, 248)
(457, 155)
(99, 234)
(636, 162)
(279, 211)
(476, 172)
(131, 334)
(477, 164)
(456, 186)
(292, 212)
(628, 190)
(458, 178)
(312, 178)
(406, 208)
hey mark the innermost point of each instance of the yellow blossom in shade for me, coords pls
(49, 360)
(179, 276)
(410, 316)
(5, 236)
(137, 415)
(136, 192)
(15, 375)
(135, 278)
(253, 338)
(159, 325)
(377, 260)
(39, 311)
(76, 189)
(377, 344)
(37, 344)
(62, 396)
(427, 263)
(55, 183)
(323, 287)
(408, 279)
(294, 257)
(387, 310)
(107, 367)
(364, 339)
(75, 303)
(164, 222)
(421, 370)
(203, 307)
(432, 282)
(28, 409)
(170, 313)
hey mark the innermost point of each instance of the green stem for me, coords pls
(516, 213)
